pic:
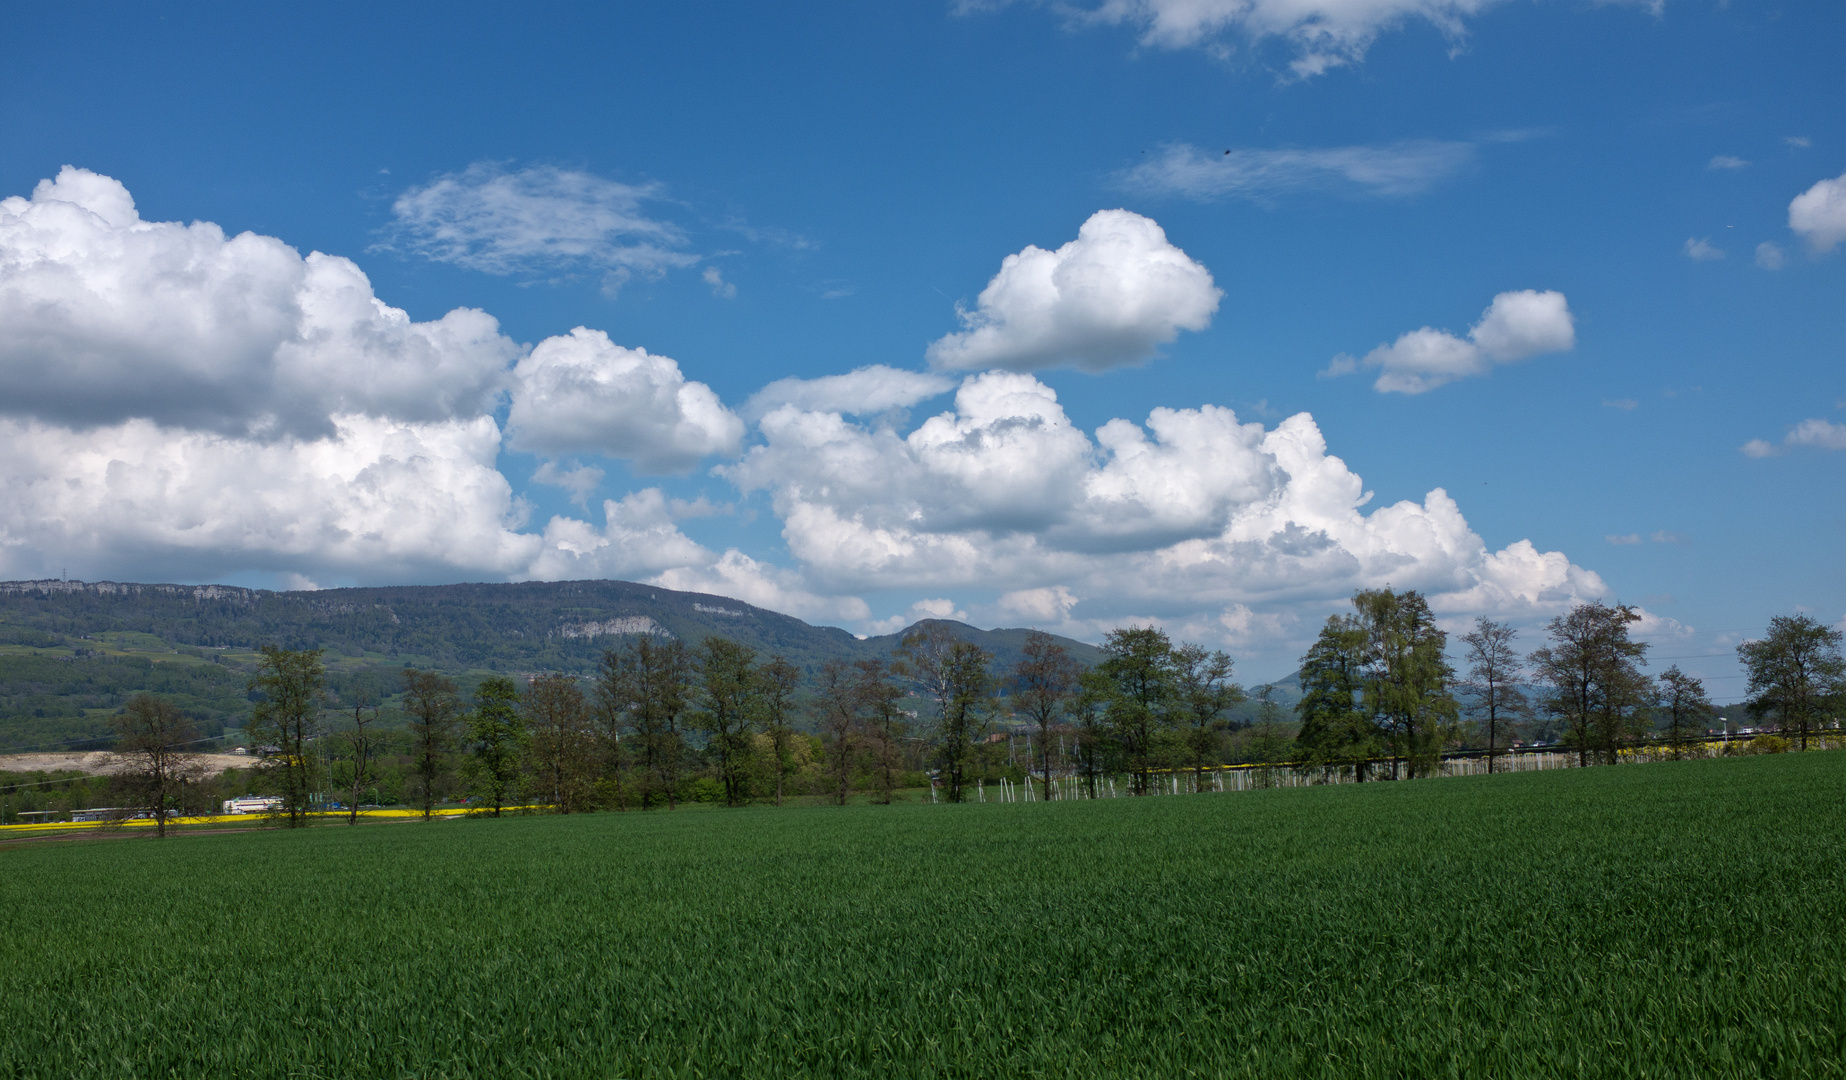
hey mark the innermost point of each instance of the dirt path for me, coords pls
(98, 763)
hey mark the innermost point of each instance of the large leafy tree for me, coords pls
(1797, 676)
(1408, 683)
(1494, 668)
(292, 683)
(561, 751)
(1143, 700)
(1087, 710)
(729, 700)
(1043, 681)
(647, 684)
(1686, 708)
(1336, 730)
(1203, 686)
(1593, 673)
(497, 733)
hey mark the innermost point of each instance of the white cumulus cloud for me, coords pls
(638, 538)
(1770, 256)
(582, 393)
(402, 499)
(1108, 298)
(176, 404)
(1818, 215)
(108, 317)
(738, 575)
(1216, 528)
(1048, 606)
(1813, 433)
(1818, 434)
(1190, 513)
(379, 500)
(1516, 326)
(1701, 249)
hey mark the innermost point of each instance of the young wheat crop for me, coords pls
(1677, 920)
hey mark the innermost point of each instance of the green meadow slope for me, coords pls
(1671, 920)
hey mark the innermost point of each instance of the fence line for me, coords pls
(1263, 775)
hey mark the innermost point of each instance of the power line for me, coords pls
(59, 780)
(51, 747)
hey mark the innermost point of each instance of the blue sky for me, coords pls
(763, 195)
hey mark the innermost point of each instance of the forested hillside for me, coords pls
(72, 652)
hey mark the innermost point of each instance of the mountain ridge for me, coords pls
(72, 653)
(563, 625)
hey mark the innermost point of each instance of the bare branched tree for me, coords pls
(361, 746)
(885, 722)
(956, 675)
(435, 714)
(837, 707)
(1202, 681)
(1043, 682)
(1593, 671)
(153, 750)
(778, 681)
(1494, 667)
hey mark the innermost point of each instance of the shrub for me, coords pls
(1769, 744)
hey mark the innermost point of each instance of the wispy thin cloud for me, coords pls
(1322, 34)
(538, 219)
(1726, 161)
(720, 288)
(1388, 169)
(580, 480)
(1701, 249)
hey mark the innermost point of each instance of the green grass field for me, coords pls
(1677, 919)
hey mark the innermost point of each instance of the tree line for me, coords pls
(663, 722)
(1379, 692)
